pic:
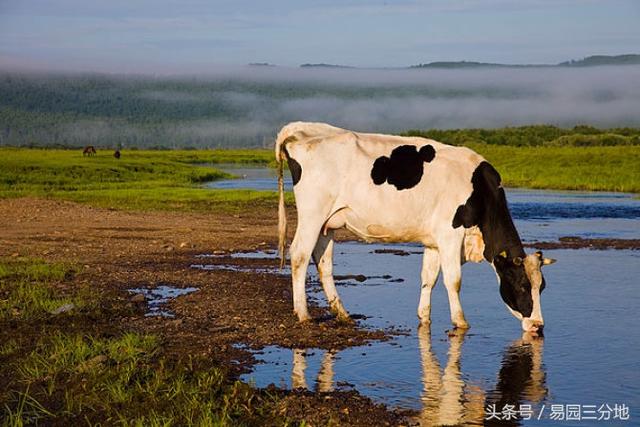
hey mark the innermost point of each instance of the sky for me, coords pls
(196, 36)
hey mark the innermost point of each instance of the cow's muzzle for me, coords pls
(534, 326)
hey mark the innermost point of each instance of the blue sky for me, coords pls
(177, 36)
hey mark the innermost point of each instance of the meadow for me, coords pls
(140, 180)
(173, 180)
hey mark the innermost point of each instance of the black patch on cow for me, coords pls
(404, 168)
(487, 208)
(294, 167)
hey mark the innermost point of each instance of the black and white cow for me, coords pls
(387, 188)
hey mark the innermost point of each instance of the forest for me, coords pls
(71, 110)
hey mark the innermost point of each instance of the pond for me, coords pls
(585, 366)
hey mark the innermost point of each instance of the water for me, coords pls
(588, 356)
(254, 177)
(158, 297)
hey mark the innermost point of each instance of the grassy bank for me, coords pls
(62, 369)
(172, 180)
(614, 168)
(141, 180)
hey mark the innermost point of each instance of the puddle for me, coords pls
(157, 297)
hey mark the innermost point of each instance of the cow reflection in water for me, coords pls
(446, 398)
(324, 382)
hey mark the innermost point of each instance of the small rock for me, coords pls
(138, 298)
(184, 244)
(63, 309)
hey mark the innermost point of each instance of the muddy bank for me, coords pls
(574, 242)
(229, 313)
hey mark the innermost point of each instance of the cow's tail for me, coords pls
(281, 140)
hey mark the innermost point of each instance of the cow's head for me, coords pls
(521, 283)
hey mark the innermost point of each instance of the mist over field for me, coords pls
(246, 106)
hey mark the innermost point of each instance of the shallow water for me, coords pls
(588, 356)
(157, 298)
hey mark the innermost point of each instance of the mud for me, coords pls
(574, 242)
(231, 313)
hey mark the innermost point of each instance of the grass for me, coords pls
(120, 380)
(140, 180)
(172, 180)
(26, 290)
(615, 168)
(65, 372)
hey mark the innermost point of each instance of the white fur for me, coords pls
(336, 191)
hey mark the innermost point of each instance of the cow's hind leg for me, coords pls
(429, 276)
(450, 262)
(301, 249)
(323, 257)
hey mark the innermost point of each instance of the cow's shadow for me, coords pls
(447, 397)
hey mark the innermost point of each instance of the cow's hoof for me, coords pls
(424, 321)
(461, 325)
(345, 318)
(303, 318)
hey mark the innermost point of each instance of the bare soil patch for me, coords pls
(230, 312)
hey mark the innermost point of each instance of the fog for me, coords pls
(245, 106)
(395, 100)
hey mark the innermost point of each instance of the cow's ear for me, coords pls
(517, 260)
(547, 261)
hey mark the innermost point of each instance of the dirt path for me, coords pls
(122, 250)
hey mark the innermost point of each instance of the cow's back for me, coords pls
(404, 188)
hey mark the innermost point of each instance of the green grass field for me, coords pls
(172, 180)
(140, 180)
(615, 168)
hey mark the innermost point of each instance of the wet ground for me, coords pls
(588, 356)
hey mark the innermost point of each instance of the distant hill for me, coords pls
(466, 64)
(630, 59)
(323, 65)
(595, 60)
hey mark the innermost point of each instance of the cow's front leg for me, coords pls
(429, 276)
(323, 257)
(450, 259)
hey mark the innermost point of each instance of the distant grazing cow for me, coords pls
(116, 154)
(89, 150)
(403, 189)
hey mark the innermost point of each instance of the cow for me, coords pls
(89, 150)
(386, 188)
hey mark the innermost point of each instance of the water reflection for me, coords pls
(448, 397)
(521, 379)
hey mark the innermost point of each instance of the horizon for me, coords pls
(194, 36)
